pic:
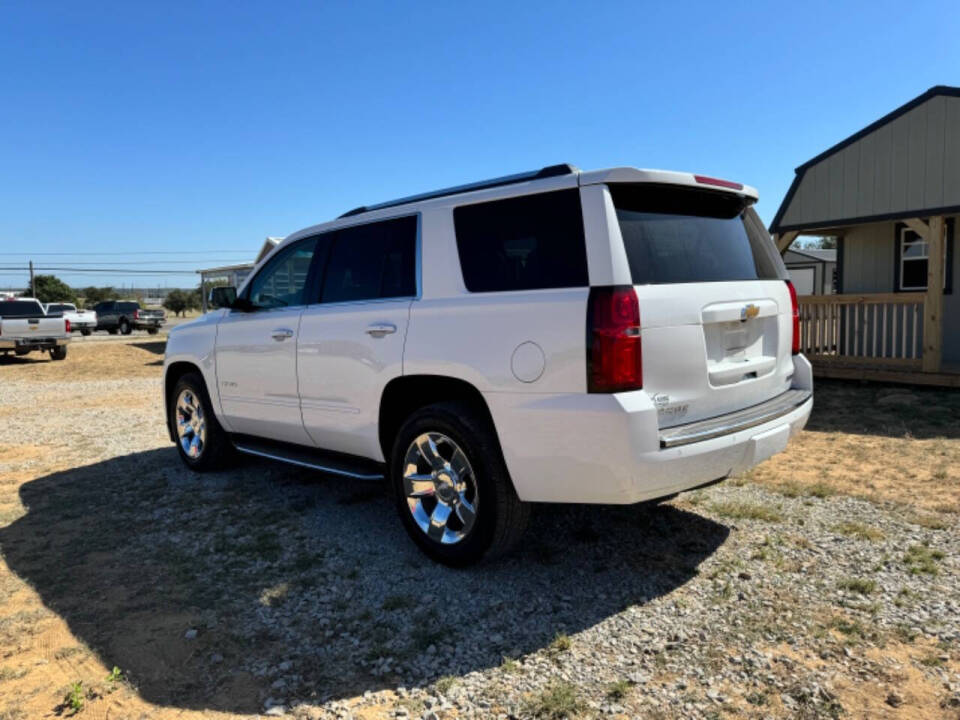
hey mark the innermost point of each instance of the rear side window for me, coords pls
(687, 235)
(372, 262)
(524, 243)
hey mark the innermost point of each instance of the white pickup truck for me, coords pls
(25, 327)
(82, 321)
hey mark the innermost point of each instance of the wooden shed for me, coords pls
(812, 270)
(890, 193)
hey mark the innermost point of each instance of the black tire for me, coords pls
(85, 332)
(501, 516)
(152, 331)
(217, 449)
(59, 353)
(125, 327)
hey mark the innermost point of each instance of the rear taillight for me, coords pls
(614, 362)
(136, 314)
(67, 323)
(795, 312)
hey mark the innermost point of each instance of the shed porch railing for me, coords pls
(879, 330)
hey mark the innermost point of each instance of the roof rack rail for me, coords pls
(547, 172)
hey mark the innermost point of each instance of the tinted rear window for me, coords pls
(685, 235)
(128, 306)
(523, 243)
(19, 309)
(51, 309)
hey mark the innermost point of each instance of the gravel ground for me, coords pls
(268, 590)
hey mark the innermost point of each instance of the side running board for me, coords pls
(328, 462)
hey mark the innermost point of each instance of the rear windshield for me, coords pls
(128, 306)
(20, 309)
(687, 235)
(51, 309)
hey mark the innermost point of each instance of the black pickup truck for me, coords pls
(124, 317)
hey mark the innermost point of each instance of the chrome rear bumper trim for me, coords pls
(735, 421)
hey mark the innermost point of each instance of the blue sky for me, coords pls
(201, 127)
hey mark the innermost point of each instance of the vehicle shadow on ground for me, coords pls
(887, 410)
(37, 358)
(154, 347)
(157, 347)
(302, 587)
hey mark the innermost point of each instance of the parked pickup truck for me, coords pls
(124, 317)
(84, 321)
(25, 327)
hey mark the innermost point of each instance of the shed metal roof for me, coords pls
(818, 254)
(906, 164)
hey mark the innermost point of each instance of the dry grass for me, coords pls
(907, 455)
(888, 454)
(91, 361)
(860, 531)
(746, 511)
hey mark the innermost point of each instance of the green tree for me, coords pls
(193, 299)
(93, 295)
(50, 289)
(820, 243)
(176, 301)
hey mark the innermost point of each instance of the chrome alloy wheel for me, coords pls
(191, 424)
(441, 488)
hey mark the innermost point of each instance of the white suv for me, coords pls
(557, 336)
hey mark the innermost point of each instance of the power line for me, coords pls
(150, 262)
(118, 271)
(135, 252)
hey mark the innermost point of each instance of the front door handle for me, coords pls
(378, 330)
(281, 334)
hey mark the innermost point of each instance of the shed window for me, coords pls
(913, 257)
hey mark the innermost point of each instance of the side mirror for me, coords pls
(222, 297)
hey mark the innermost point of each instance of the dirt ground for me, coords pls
(75, 498)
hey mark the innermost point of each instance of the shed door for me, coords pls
(803, 280)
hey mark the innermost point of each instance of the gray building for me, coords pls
(812, 270)
(890, 193)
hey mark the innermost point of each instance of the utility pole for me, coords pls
(33, 284)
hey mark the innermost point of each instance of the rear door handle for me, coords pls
(378, 330)
(281, 334)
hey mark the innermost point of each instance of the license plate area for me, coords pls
(740, 340)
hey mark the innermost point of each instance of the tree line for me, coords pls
(51, 289)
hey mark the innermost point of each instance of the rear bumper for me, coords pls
(761, 414)
(28, 344)
(609, 449)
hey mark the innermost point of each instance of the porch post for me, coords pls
(783, 241)
(933, 302)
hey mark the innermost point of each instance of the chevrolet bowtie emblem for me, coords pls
(749, 311)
